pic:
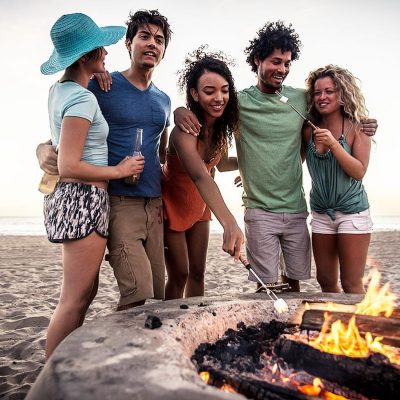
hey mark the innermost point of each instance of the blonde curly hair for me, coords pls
(350, 97)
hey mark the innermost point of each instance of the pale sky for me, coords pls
(360, 35)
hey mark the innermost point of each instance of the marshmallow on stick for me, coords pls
(285, 100)
(280, 305)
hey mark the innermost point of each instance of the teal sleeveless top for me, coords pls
(332, 189)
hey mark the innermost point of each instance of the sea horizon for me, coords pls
(33, 225)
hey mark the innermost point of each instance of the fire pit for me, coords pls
(145, 353)
(274, 360)
(335, 354)
(117, 357)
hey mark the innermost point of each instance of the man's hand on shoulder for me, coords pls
(104, 79)
(369, 126)
(186, 121)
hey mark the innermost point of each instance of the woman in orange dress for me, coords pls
(188, 189)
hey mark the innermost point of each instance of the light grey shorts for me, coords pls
(357, 224)
(267, 234)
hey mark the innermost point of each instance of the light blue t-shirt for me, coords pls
(69, 99)
(126, 108)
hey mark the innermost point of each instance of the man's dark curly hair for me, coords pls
(195, 65)
(146, 17)
(273, 35)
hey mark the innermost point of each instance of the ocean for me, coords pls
(24, 226)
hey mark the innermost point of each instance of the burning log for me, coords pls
(254, 389)
(388, 328)
(373, 376)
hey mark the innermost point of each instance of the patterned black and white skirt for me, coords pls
(75, 210)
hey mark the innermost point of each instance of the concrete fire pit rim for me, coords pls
(94, 360)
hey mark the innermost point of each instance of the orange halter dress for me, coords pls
(183, 204)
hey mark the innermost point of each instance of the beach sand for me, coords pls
(30, 271)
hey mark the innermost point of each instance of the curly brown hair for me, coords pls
(350, 97)
(273, 35)
(195, 65)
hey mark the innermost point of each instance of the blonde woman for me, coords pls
(337, 155)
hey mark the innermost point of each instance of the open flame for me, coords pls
(345, 339)
(205, 376)
(377, 300)
(312, 390)
(316, 389)
(227, 388)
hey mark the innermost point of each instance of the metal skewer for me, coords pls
(279, 304)
(285, 100)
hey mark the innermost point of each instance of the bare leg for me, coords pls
(353, 251)
(81, 263)
(327, 261)
(197, 244)
(90, 299)
(177, 263)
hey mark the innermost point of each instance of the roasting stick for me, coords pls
(279, 304)
(285, 100)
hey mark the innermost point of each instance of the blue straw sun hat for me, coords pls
(74, 35)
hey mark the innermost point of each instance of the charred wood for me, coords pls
(373, 376)
(253, 388)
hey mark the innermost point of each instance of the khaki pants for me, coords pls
(136, 247)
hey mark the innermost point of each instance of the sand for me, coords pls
(30, 271)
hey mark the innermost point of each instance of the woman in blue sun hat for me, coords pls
(76, 213)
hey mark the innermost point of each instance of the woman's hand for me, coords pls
(233, 239)
(130, 166)
(324, 137)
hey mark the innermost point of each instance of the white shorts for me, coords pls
(358, 223)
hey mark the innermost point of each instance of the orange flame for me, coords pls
(377, 300)
(205, 376)
(227, 388)
(346, 340)
(309, 390)
(332, 396)
(317, 390)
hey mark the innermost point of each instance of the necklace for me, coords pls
(327, 153)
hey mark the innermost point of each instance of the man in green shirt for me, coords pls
(270, 163)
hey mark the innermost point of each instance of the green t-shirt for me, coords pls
(268, 150)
